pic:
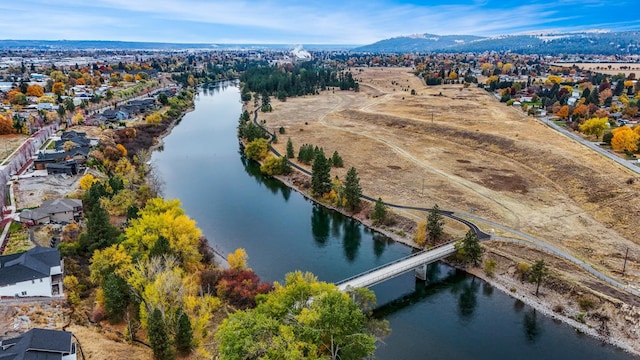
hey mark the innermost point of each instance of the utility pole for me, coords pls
(624, 266)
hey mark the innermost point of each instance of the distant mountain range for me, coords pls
(588, 42)
(129, 45)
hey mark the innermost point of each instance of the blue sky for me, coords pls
(301, 22)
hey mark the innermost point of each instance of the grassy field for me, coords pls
(468, 151)
(9, 143)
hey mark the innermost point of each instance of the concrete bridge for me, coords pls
(417, 261)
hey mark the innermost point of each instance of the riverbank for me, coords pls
(619, 331)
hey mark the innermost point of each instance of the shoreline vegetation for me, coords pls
(547, 303)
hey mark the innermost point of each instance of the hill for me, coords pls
(588, 42)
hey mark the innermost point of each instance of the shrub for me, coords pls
(490, 267)
(585, 303)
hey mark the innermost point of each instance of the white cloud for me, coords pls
(313, 21)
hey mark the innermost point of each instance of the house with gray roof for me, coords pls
(35, 272)
(39, 344)
(59, 210)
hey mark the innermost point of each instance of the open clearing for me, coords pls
(463, 150)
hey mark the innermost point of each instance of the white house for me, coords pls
(36, 272)
(37, 343)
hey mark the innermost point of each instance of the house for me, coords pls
(110, 115)
(57, 210)
(38, 344)
(78, 155)
(67, 167)
(35, 272)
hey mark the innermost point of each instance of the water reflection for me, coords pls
(351, 237)
(320, 223)
(468, 299)
(532, 328)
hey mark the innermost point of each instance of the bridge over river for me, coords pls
(417, 261)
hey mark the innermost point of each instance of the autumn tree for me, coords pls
(604, 95)
(563, 113)
(303, 318)
(238, 259)
(352, 189)
(239, 287)
(257, 149)
(6, 125)
(35, 90)
(538, 273)
(624, 139)
(168, 219)
(469, 248)
(58, 88)
(595, 126)
(435, 223)
(420, 237)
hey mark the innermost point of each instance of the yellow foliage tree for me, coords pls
(155, 118)
(421, 233)
(595, 126)
(257, 149)
(113, 259)
(70, 284)
(164, 218)
(128, 78)
(238, 259)
(122, 149)
(553, 79)
(86, 181)
(625, 139)
(77, 118)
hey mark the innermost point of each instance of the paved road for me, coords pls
(591, 145)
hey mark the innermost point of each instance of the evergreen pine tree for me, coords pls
(469, 248)
(352, 189)
(320, 175)
(160, 247)
(379, 212)
(100, 233)
(336, 160)
(116, 297)
(290, 152)
(184, 334)
(435, 222)
(159, 337)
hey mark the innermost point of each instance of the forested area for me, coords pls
(306, 78)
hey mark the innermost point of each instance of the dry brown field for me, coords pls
(604, 67)
(465, 151)
(8, 143)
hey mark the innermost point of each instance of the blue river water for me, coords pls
(452, 316)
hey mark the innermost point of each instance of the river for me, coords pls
(453, 316)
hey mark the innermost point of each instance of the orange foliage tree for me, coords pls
(35, 90)
(625, 139)
(6, 125)
(563, 113)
